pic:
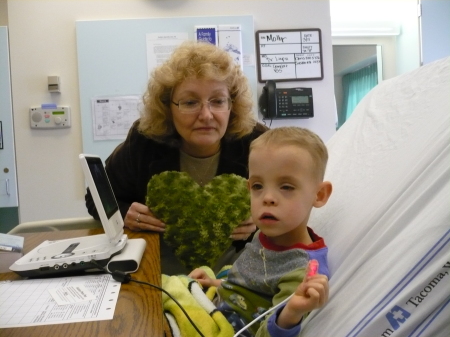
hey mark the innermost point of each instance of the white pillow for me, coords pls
(387, 222)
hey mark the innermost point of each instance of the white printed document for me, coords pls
(30, 302)
(112, 116)
(160, 46)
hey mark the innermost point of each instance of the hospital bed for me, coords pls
(387, 222)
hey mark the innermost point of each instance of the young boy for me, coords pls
(286, 171)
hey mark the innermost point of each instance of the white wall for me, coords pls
(435, 29)
(401, 53)
(43, 43)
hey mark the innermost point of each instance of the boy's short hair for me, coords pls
(303, 138)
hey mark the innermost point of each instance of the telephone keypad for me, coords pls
(286, 103)
(288, 109)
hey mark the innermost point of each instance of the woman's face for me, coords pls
(201, 131)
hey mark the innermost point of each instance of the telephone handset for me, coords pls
(285, 103)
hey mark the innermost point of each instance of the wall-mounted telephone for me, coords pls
(286, 103)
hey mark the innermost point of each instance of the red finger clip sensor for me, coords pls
(313, 268)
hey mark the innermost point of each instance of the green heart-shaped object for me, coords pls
(199, 219)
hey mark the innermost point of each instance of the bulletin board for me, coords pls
(112, 61)
(289, 54)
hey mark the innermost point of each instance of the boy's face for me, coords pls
(283, 191)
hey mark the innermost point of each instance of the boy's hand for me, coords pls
(202, 277)
(311, 294)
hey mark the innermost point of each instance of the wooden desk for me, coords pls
(139, 307)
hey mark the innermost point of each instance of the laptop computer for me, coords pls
(60, 257)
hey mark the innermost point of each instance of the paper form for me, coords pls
(160, 47)
(29, 302)
(71, 294)
(113, 116)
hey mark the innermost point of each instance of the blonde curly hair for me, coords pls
(196, 60)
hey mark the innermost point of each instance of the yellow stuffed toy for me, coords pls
(198, 305)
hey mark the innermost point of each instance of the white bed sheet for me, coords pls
(387, 222)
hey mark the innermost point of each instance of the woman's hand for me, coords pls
(202, 277)
(244, 230)
(140, 218)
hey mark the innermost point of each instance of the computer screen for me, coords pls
(103, 186)
(103, 195)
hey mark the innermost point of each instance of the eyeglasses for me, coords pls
(192, 106)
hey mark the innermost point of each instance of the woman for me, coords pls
(197, 119)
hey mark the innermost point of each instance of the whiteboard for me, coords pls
(112, 61)
(289, 55)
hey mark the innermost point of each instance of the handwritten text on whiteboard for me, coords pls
(289, 55)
